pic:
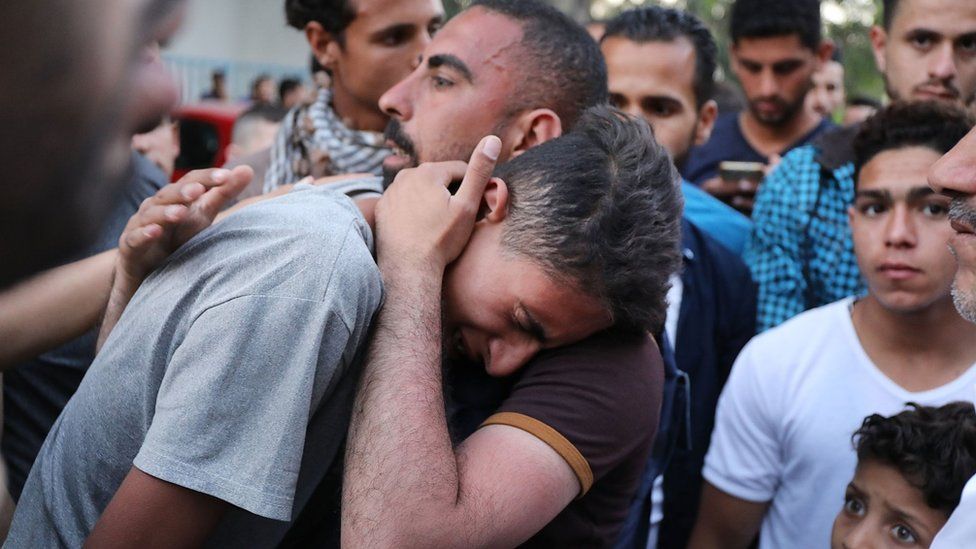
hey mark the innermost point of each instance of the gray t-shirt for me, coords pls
(231, 373)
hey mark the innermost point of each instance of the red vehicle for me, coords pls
(205, 131)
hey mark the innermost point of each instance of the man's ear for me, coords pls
(494, 205)
(879, 41)
(532, 128)
(324, 46)
(706, 121)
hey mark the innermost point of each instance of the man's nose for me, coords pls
(956, 171)
(396, 101)
(768, 86)
(942, 65)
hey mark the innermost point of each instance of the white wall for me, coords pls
(241, 37)
(240, 30)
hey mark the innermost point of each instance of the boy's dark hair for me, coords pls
(935, 125)
(767, 18)
(657, 24)
(600, 207)
(333, 15)
(933, 448)
(564, 69)
(863, 101)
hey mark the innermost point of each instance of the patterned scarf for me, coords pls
(313, 141)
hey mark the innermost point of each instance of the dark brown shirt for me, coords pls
(597, 404)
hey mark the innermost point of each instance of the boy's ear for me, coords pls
(532, 128)
(494, 205)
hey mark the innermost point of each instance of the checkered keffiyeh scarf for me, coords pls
(313, 141)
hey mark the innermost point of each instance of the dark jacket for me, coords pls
(717, 318)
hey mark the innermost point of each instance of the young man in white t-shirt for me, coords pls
(780, 455)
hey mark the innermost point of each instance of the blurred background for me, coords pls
(235, 38)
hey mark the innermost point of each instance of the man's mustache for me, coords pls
(946, 86)
(961, 212)
(394, 133)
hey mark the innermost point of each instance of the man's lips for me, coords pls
(899, 271)
(937, 93)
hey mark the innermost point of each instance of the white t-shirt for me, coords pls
(960, 531)
(784, 422)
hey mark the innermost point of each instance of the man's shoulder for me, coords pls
(310, 221)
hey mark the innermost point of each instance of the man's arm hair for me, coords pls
(405, 485)
(147, 512)
(53, 307)
(725, 522)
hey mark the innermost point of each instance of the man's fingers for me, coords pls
(479, 171)
(214, 200)
(139, 238)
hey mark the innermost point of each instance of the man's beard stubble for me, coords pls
(967, 102)
(963, 298)
(788, 112)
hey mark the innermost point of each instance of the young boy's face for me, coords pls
(900, 231)
(881, 509)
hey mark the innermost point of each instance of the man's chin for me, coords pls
(393, 165)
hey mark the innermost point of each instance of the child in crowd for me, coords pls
(911, 469)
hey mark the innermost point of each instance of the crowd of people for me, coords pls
(499, 280)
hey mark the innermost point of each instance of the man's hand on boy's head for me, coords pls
(419, 223)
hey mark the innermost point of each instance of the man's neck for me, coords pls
(920, 350)
(354, 114)
(769, 140)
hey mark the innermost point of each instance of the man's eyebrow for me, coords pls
(873, 194)
(450, 61)
(919, 193)
(922, 33)
(533, 326)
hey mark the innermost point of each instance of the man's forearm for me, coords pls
(53, 307)
(123, 288)
(401, 469)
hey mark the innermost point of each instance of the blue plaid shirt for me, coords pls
(800, 251)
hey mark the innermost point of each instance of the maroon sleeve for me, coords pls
(595, 402)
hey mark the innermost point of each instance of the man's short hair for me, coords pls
(935, 125)
(272, 114)
(564, 68)
(888, 9)
(657, 24)
(934, 449)
(287, 85)
(600, 207)
(767, 18)
(333, 15)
